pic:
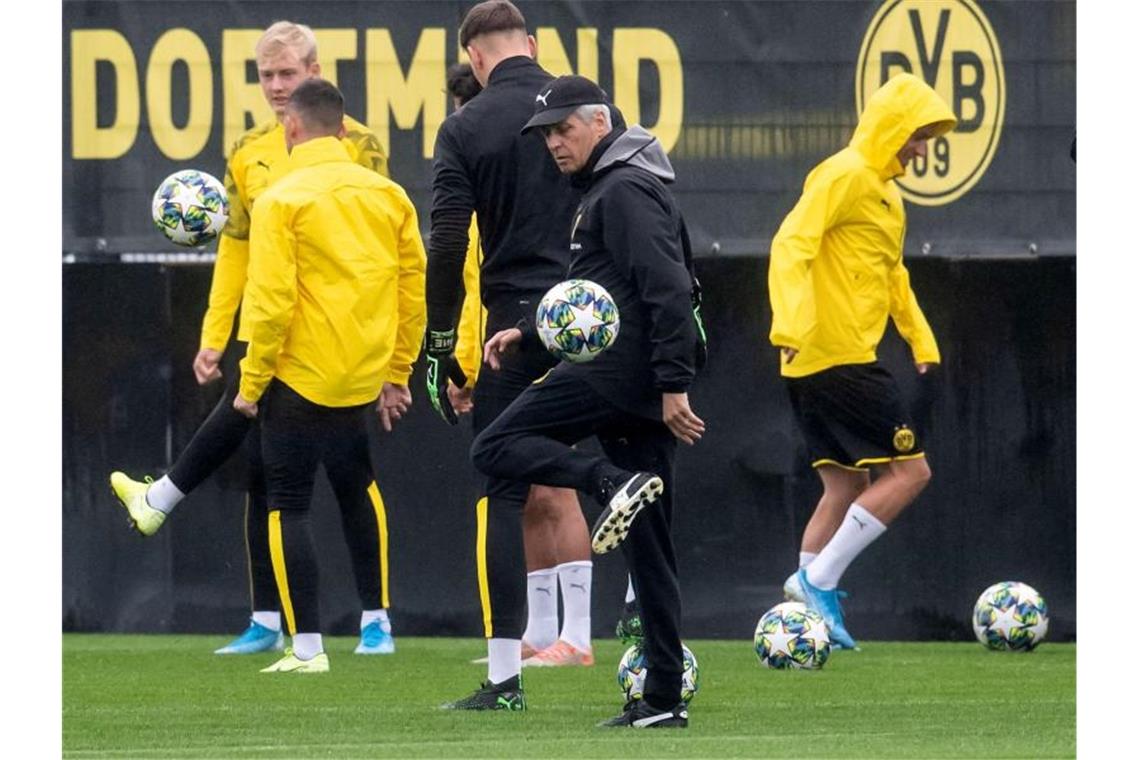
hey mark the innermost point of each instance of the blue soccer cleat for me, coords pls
(375, 640)
(256, 638)
(826, 603)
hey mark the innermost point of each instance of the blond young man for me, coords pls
(286, 56)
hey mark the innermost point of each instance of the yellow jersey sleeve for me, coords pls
(228, 281)
(796, 245)
(270, 294)
(365, 148)
(412, 306)
(473, 317)
(909, 319)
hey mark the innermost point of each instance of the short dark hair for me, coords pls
(461, 82)
(319, 105)
(489, 17)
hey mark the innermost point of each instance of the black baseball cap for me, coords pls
(562, 97)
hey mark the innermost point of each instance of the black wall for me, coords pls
(999, 418)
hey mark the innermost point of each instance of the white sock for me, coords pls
(629, 595)
(267, 618)
(576, 580)
(306, 646)
(542, 608)
(163, 495)
(367, 617)
(806, 558)
(504, 659)
(858, 529)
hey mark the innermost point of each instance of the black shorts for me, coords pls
(853, 416)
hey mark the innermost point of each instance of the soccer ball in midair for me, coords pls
(791, 636)
(577, 320)
(1011, 616)
(632, 669)
(190, 207)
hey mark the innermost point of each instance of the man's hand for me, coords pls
(460, 398)
(500, 343)
(393, 404)
(788, 354)
(206, 365)
(439, 346)
(686, 426)
(923, 367)
(245, 408)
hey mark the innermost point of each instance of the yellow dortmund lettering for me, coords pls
(631, 46)
(241, 97)
(88, 139)
(552, 55)
(188, 141)
(390, 93)
(334, 45)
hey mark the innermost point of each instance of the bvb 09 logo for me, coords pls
(950, 44)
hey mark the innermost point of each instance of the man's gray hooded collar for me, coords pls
(637, 147)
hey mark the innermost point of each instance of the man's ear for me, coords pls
(342, 132)
(314, 69)
(532, 44)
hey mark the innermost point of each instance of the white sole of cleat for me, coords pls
(613, 525)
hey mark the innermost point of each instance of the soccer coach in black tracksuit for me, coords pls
(627, 236)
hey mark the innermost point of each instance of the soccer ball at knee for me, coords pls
(577, 320)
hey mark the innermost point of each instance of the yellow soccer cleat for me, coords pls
(132, 493)
(290, 663)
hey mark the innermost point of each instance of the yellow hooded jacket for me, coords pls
(257, 159)
(335, 296)
(835, 270)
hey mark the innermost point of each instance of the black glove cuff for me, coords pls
(438, 342)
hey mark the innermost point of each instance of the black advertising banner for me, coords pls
(746, 97)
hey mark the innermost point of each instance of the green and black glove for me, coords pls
(439, 348)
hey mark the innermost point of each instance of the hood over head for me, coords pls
(637, 147)
(892, 114)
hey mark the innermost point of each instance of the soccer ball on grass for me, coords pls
(1011, 616)
(792, 637)
(632, 670)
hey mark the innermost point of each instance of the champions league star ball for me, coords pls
(632, 669)
(790, 636)
(1011, 616)
(190, 207)
(577, 320)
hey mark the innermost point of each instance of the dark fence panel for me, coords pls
(999, 417)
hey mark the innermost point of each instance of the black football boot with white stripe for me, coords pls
(641, 714)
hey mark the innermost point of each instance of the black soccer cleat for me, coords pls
(640, 714)
(612, 526)
(507, 695)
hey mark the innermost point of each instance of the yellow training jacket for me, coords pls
(335, 297)
(836, 270)
(473, 317)
(257, 159)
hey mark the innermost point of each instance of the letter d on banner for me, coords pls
(88, 139)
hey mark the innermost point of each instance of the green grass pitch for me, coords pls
(170, 697)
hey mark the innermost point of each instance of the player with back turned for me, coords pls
(834, 277)
(286, 56)
(336, 314)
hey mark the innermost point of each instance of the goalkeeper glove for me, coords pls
(439, 347)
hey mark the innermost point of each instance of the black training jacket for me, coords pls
(522, 202)
(626, 236)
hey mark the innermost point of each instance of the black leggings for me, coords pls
(297, 436)
(532, 441)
